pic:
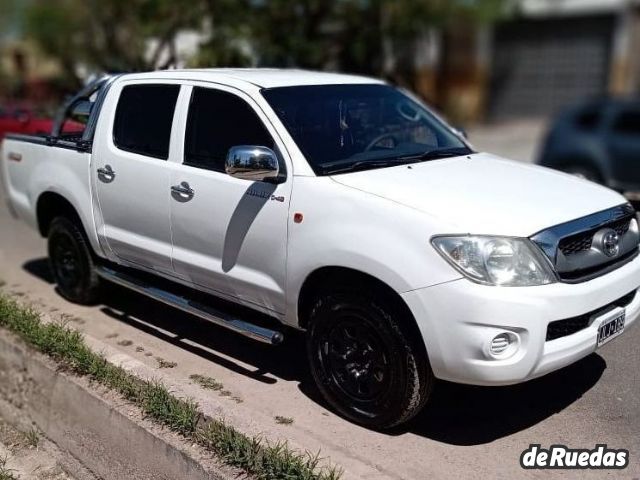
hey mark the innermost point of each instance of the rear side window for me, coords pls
(218, 121)
(143, 119)
(628, 122)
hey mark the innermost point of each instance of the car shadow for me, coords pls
(456, 414)
(469, 415)
(266, 363)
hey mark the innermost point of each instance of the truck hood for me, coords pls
(484, 194)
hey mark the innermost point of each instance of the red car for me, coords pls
(21, 119)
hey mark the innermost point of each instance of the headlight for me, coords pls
(508, 262)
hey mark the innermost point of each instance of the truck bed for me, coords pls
(34, 165)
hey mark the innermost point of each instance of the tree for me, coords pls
(109, 35)
(350, 35)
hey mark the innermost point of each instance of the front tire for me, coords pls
(364, 361)
(72, 263)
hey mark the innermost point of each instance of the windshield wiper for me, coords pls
(365, 165)
(342, 167)
(437, 153)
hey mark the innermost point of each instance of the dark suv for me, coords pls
(598, 140)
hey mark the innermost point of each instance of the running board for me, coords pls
(200, 310)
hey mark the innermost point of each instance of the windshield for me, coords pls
(340, 127)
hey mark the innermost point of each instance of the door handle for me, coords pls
(183, 189)
(106, 171)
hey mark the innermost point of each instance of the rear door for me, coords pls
(229, 235)
(131, 176)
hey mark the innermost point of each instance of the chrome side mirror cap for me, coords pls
(253, 162)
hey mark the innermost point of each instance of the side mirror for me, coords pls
(252, 162)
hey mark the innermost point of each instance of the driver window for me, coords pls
(216, 122)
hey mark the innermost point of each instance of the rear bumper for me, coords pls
(459, 319)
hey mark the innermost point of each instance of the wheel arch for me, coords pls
(51, 205)
(324, 278)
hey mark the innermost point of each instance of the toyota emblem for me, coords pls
(610, 243)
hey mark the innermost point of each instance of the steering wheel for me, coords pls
(379, 138)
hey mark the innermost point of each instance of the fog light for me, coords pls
(503, 345)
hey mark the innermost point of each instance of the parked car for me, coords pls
(600, 141)
(337, 205)
(22, 119)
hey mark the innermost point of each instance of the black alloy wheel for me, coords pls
(71, 262)
(364, 361)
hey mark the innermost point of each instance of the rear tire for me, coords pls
(71, 262)
(364, 360)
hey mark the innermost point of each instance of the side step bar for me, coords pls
(205, 312)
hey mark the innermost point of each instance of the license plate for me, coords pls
(611, 327)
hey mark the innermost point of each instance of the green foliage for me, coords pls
(32, 437)
(5, 473)
(255, 455)
(114, 35)
(109, 35)
(207, 382)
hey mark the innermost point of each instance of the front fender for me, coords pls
(344, 227)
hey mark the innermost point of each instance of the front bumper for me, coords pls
(458, 320)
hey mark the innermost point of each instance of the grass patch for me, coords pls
(162, 363)
(254, 455)
(32, 437)
(283, 420)
(207, 382)
(5, 473)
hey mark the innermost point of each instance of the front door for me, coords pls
(132, 179)
(229, 235)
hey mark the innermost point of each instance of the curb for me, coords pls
(106, 434)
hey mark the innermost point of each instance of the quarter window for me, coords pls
(143, 119)
(216, 122)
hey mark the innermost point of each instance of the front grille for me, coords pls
(582, 241)
(569, 326)
(576, 248)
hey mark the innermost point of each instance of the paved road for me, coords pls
(517, 140)
(468, 432)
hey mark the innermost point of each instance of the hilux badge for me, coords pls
(610, 243)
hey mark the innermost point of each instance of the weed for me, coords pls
(283, 420)
(32, 437)
(162, 363)
(207, 382)
(5, 473)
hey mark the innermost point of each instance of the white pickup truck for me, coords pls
(337, 205)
